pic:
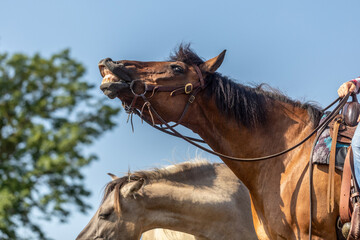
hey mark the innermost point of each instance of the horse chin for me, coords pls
(114, 89)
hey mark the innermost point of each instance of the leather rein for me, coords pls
(192, 90)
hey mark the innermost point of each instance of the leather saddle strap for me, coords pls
(331, 179)
(345, 189)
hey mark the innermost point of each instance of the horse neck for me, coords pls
(286, 125)
(198, 209)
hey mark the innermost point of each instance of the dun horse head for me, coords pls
(198, 198)
(114, 219)
(168, 84)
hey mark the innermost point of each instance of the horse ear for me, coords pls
(113, 176)
(131, 188)
(213, 64)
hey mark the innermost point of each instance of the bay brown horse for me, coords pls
(239, 121)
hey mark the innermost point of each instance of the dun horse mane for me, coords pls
(246, 104)
(177, 172)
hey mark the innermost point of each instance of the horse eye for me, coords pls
(177, 69)
(104, 215)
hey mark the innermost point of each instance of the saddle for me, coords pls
(342, 130)
(347, 122)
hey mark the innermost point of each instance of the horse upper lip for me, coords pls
(109, 76)
(115, 70)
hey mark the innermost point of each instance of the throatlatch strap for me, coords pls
(201, 78)
(331, 179)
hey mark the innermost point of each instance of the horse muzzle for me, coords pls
(115, 77)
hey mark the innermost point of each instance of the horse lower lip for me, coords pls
(112, 89)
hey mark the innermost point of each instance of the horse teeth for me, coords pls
(110, 78)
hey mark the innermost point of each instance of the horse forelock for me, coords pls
(115, 186)
(186, 55)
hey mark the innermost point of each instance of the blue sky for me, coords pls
(304, 48)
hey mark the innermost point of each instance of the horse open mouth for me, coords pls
(107, 75)
(112, 84)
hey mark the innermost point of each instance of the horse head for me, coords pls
(168, 85)
(119, 214)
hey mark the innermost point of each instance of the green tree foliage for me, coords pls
(47, 116)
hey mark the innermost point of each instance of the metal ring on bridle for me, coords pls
(132, 90)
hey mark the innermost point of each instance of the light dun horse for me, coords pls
(238, 121)
(199, 198)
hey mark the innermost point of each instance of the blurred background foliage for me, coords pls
(47, 118)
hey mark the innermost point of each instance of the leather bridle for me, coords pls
(191, 89)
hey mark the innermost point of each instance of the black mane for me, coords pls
(246, 104)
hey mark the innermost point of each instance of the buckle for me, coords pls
(339, 119)
(191, 99)
(188, 88)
